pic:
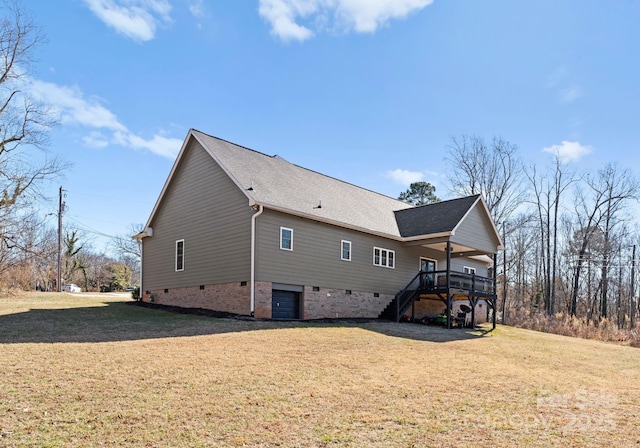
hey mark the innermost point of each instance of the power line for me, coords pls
(87, 228)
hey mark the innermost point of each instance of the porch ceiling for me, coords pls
(457, 250)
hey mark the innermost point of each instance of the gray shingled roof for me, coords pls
(279, 184)
(435, 218)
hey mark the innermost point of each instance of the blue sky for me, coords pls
(368, 91)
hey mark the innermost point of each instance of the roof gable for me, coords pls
(433, 219)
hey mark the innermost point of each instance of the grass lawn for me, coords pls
(79, 370)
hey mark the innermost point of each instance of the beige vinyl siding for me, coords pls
(315, 259)
(458, 264)
(203, 207)
(475, 231)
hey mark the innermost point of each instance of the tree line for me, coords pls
(570, 237)
(34, 264)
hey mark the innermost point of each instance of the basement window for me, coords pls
(384, 257)
(179, 255)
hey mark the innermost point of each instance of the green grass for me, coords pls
(78, 370)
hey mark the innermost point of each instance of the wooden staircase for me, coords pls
(403, 300)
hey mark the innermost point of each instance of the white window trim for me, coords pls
(468, 270)
(290, 230)
(342, 243)
(175, 264)
(387, 258)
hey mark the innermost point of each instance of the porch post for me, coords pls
(473, 311)
(473, 299)
(495, 289)
(449, 284)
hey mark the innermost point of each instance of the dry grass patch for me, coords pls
(87, 371)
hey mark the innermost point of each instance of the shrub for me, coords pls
(604, 330)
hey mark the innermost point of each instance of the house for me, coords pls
(238, 231)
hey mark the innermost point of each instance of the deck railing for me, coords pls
(437, 281)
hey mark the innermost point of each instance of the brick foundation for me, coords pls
(263, 300)
(233, 298)
(336, 303)
(229, 297)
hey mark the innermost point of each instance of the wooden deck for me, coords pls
(434, 284)
(444, 286)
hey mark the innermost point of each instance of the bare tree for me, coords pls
(493, 170)
(73, 257)
(129, 251)
(548, 191)
(24, 263)
(126, 245)
(97, 273)
(24, 124)
(598, 212)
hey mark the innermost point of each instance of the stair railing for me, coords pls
(411, 287)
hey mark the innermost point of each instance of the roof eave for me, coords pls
(242, 188)
(193, 133)
(428, 237)
(398, 238)
(185, 143)
(325, 220)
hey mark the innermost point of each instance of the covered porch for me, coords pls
(461, 233)
(449, 286)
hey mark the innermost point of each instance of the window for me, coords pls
(384, 257)
(180, 255)
(345, 250)
(286, 238)
(468, 270)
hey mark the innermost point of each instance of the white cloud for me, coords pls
(405, 177)
(281, 14)
(569, 151)
(368, 15)
(136, 19)
(95, 139)
(363, 16)
(570, 94)
(198, 9)
(557, 77)
(73, 108)
(158, 144)
(559, 81)
(104, 127)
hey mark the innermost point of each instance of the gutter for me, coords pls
(253, 258)
(331, 221)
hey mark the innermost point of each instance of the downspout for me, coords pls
(253, 258)
(448, 283)
(140, 290)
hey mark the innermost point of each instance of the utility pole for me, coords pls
(504, 274)
(60, 210)
(632, 305)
